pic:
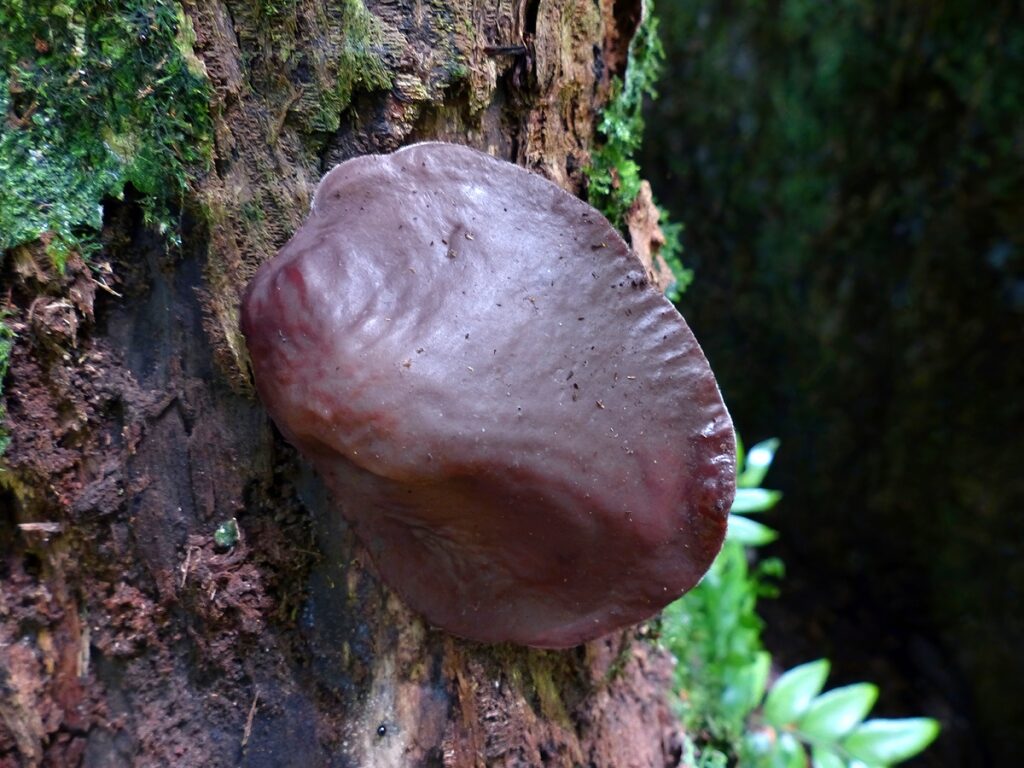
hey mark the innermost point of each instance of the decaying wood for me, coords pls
(127, 637)
(647, 238)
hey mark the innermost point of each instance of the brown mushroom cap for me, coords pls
(521, 430)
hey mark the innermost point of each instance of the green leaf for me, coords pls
(751, 500)
(837, 712)
(746, 688)
(758, 745)
(748, 532)
(759, 460)
(793, 692)
(761, 668)
(822, 757)
(891, 741)
(789, 753)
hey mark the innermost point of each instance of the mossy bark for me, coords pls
(127, 636)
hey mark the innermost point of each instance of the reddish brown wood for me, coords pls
(127, 638)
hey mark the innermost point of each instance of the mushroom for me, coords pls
(521, 430)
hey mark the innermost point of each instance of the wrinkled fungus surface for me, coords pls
(521, 430)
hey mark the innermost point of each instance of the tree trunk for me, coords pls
(128, 635)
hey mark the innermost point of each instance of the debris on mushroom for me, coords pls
(434, 339)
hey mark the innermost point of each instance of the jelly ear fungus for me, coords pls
(522, 431)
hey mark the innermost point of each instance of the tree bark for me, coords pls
(127, 635)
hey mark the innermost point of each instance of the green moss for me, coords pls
(6, 344)
(253, 212)
(361, 63)
(360, 66)
(96, 95)
(542, 675)
(452, 31)
(273, 10)
(614, 175)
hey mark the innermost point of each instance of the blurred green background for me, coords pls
(851, 180)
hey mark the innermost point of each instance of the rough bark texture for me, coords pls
(127, 637)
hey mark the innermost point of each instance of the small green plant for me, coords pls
(715, 631)
(730, 714)
(614, 176)
(796, 716)
(227, 534)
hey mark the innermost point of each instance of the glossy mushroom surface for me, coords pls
(521, 430)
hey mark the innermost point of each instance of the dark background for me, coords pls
(851, 180)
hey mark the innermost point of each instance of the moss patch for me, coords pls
(96, 95)
(361, 64)
(6, 344)
(613, 178)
